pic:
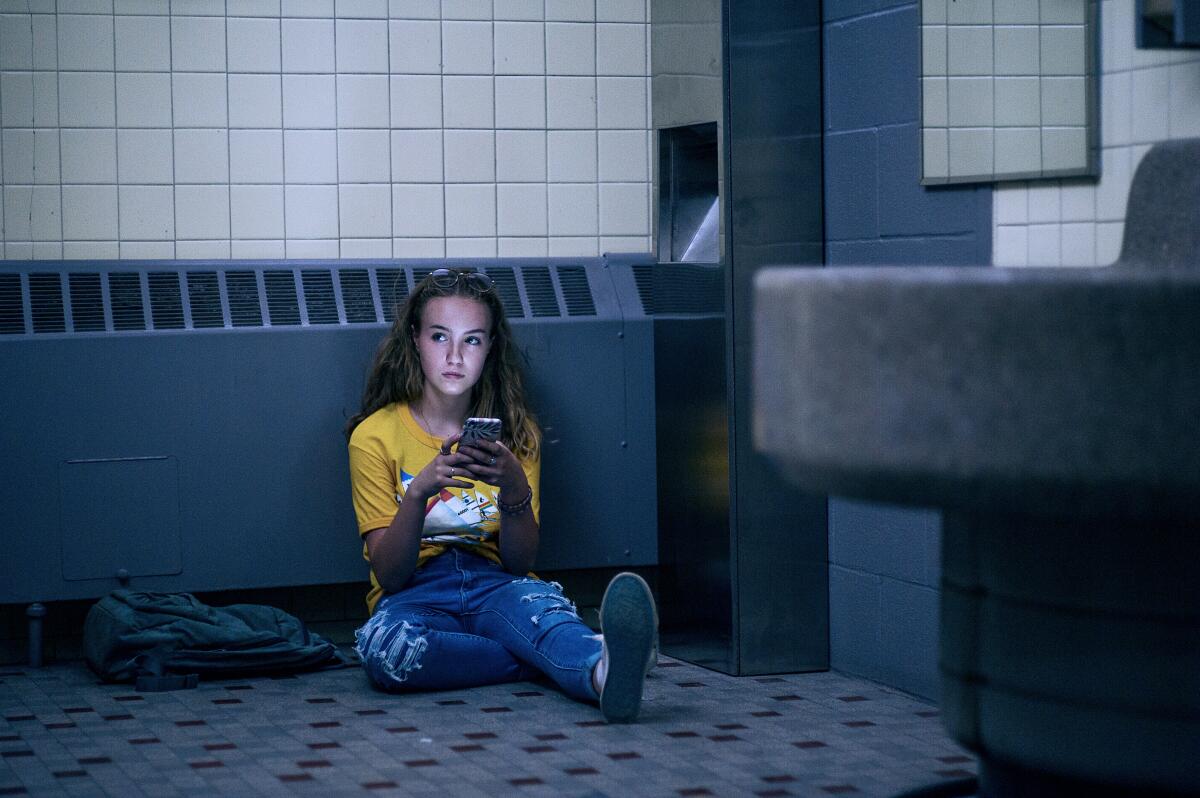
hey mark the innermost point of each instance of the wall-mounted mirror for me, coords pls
(1008, 90)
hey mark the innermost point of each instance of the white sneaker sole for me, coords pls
(629, 622)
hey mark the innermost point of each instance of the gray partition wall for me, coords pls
(178, 425)
(737, 114)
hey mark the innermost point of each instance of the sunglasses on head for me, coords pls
(448, 278)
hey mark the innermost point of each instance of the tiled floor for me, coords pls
(700, 733)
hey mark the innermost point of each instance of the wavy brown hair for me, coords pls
(396, 374)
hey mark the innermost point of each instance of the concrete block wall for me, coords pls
(1145, 96)
(884, 569)
(323, 128)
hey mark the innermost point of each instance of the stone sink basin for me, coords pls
(1054, 416)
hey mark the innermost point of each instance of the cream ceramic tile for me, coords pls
(1045, 245)
(254, 45)
(521, 156)
(310, 156)
(88, 156)
(570, 48)
(362, 45)
(202, 212)
(199, 99)
(416, 156)
(308, 45)
(571, 156)
(311, 212)
(467, 102)
(471, 247)
(523, 247)
(620, 49)
(416, 101)
(470, 210)
(574, 246)
(85, 42)
(520, 48)
(365, 248)
(622, 102)
(257, 250)
(1012, 246)
(1151, 108)
(418, 247)
(364, 156)
(935, 153)
(365, 210)
(418, 210)
(202, 156)
(519, 10)
(470, 156)
(147, 213)
(570, 102)
(312, 248)
(255, 101)
(256, 156)
(85, 99)
(1078, 244)
(309, 101)
(145, 156)
(143, 43)
(466, 48)
(969, 50)
(520, 102)
(89, 213)
(415, 46)
(574, 209)
(362, 101)
(624, 209)
(198, 44)
(1010, 202)
(521, 209)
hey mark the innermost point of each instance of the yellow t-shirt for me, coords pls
(387, 450)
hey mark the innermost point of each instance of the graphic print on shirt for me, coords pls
(466, 517)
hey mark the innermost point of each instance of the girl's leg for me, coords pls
(539, 625)
(416, 648)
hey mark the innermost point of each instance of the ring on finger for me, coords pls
(452, 472)
(492, 460)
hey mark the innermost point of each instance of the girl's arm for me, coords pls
(495, 464)
(393, 550)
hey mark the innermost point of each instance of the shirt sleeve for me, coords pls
(533, 473)
(373, 488)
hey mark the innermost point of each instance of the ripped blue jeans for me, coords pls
(463, 621)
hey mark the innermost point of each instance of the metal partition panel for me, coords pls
(181, 422)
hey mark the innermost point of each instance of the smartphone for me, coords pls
(479, 429)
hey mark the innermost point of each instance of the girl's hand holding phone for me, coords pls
(493, 463)
(447, 469)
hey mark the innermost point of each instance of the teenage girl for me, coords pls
(451, 532)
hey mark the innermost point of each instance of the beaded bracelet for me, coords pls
(519, 507)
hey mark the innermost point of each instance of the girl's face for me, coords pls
(454, 341)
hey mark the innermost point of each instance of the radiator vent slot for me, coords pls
(282, 304)
(506, 287)
(393, 288)
(643, 277)
(540, 291)
(244, 308)
(87, 302)
(576, 291)
(356, 296)
(46, 303)
(166, 303)
(12, 315)
(420, 273)
(318, 296)
(204, 297)
(125, 297)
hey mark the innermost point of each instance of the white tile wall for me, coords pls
(1145, 96)
(325, 128)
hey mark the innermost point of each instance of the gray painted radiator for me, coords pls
(178, 425)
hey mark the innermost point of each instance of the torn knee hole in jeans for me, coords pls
(402, 655)
(557, 602)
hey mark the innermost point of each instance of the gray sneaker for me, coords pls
(629, 623)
